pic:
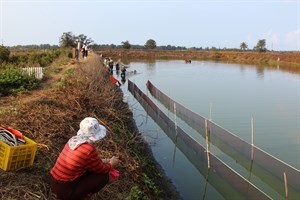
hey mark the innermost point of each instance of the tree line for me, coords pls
(69, 40)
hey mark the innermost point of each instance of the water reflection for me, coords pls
(205, 185)
(260, 72)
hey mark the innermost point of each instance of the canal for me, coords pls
(232, 96)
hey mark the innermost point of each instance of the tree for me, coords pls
(84, 40)
(150, 44)
(244, 46)
(126, 45)
(67, 40)
(261, 46)
(4, 54)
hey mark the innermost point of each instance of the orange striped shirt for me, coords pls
(72, 164)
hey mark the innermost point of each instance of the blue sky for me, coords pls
(196, 23)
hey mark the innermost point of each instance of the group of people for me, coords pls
(79, 171)
(109, 64)
(84, 50)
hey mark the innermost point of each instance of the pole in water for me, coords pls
(252, 138)
(207, 146)
(175, 142)
(286, 185)
(175, 119)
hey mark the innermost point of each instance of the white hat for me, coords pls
(90, 127)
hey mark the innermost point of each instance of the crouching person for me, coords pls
(79, 172)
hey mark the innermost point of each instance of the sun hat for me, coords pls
(89, 132)
(90, 127)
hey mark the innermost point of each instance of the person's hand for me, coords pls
(114, 161)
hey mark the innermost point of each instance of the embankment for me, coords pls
(289, 61)
(53, 116)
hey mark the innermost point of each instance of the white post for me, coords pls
(78, 50)
(207, 146)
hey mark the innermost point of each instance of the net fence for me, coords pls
(265, 166)
(223, 178)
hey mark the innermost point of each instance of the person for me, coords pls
(83, 51)
(79, 171)
(111, 65)
(114, 80)
(117, 66)
(123, 73)
(86, 50)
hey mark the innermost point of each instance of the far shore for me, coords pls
(289, 61)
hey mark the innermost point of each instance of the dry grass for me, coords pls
(54, 117)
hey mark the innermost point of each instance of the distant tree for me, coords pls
(67, 40)
(243, 46)
(150, 44)
(261, 46)
(84, 39)
(4, 54)
(126, 45)
(45, 46)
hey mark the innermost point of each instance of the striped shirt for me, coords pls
(72, 164)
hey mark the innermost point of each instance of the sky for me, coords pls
(197, 23)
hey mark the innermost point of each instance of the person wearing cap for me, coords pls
(79, 171)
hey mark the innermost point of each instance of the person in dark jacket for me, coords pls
(79, 171)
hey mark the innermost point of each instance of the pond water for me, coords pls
(230, 95)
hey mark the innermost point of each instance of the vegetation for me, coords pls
(68, 39)
(4, 54)
(261, 46)
(244, 46)
(126, 45)
(35, 58)
(150, 44)
(14, 80)
(52, 115)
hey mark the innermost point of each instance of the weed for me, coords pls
(151, 185)
(136, 194)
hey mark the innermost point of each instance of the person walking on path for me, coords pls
(79, 172)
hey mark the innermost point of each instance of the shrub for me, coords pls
(4, 54)
(13, 80)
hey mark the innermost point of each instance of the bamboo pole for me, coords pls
(175, 142)
(207, 148)
(252, 138)
(175, 119)
(286, 185)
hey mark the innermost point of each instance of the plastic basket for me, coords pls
(16, 157)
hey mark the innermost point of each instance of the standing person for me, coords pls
(123, 73)
(86, 50)
(111, 65)
(83, 50)
(79, 172)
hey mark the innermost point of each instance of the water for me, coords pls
(235, 93)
